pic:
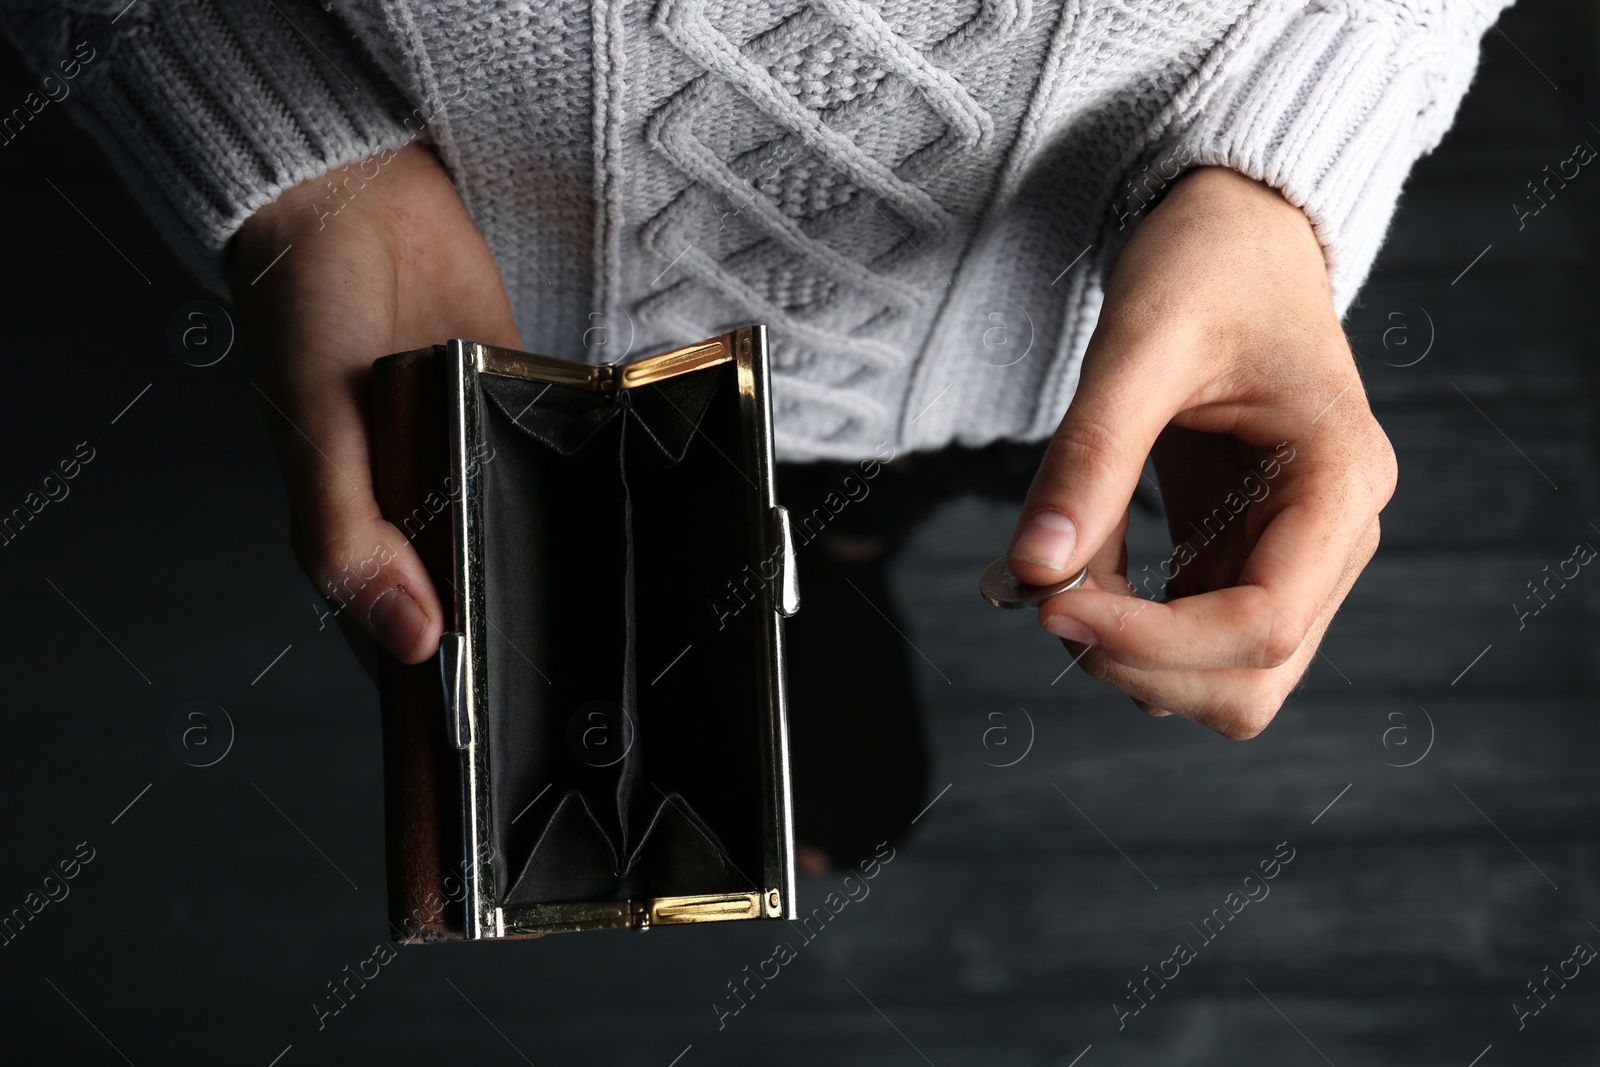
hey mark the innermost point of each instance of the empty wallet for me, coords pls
(601, 740)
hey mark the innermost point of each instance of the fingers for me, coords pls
(1320, 516)
(1128, 393)
(1238, 702)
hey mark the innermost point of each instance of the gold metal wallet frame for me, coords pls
(601, 740)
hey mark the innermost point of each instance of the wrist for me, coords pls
(1222, 190)
(361, 202)
(1246, 206)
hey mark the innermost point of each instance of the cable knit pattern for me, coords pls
(920, 197)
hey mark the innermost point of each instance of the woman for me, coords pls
(1134, 226)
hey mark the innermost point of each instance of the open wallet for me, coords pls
(601, 740)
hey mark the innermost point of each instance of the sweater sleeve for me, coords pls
(1332, 103)
(208, 109)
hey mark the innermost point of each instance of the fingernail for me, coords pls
(1069, 628)
(1047, 540)
(397, 621)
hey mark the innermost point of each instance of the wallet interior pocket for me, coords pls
(624, 748)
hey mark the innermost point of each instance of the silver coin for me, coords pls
(1004, 590)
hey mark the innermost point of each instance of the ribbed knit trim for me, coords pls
(277, 93)
(1334, 113)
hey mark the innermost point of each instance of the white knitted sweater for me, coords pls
(920, 199)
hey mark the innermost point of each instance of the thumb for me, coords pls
(1126, 395)
(365, 568)
(370, 575)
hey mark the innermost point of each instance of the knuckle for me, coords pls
(337, 562)
(1280, 646)
(1358, 441)
(1369, 546)
(1374, 469)
(1244, 727)
(1087, 446)
(1364, 473)
(1246, 714)
(1246, 718)
(1276, 641)
(1385, 466)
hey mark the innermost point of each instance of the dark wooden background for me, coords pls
(1417, 906)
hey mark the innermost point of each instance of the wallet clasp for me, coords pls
(453, 675)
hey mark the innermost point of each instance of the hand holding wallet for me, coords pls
(601, 741)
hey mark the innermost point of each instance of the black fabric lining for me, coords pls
(622, 717)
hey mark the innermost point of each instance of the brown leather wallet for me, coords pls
(601, 740)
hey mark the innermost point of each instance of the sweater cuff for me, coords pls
(210, 111)
(1332, 107)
